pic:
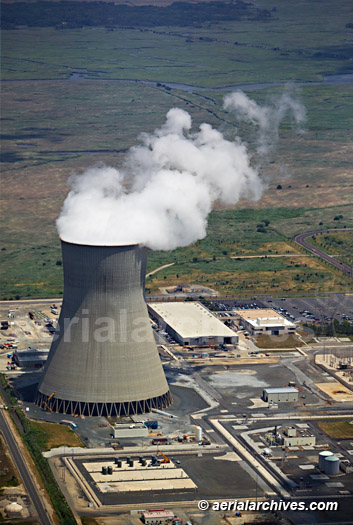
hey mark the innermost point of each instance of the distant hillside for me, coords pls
(68, 14)
(159, 3)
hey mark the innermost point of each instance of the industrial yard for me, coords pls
(231, 419)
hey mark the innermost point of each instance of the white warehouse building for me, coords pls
(265, 322)
(280, 395)
(191, 323)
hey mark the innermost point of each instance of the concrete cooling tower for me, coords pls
(103, 359)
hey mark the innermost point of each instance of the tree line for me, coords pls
(82, 14)
(332, 329)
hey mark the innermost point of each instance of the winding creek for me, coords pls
(86, 77)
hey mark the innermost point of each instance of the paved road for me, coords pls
(301, 239)
(23, 470)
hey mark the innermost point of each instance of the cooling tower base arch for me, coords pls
(82, 408)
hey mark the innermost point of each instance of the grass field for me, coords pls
(32, 268)
(266, 341)
(51, 435)
(9, 476)
(339, 244)
(337, 429)
(53, 127)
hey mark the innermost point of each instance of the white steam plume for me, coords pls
(267, 118)
(174, 178)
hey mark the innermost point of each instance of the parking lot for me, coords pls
(299, 310)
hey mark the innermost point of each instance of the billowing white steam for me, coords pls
(170, 183)
(267, 118)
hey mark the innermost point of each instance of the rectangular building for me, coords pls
(265, 322)
(157, 517)
(191, 323)
(280, 395)
(31, 357)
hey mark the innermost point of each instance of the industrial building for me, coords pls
(103, 360)
(280, 395)
(293, 437)
(191, 324)
(151, 517)
(265, 322)
(31, 357)
(130, 430)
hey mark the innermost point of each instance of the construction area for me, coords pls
(135, 475)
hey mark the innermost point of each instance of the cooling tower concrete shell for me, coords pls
(103, 359)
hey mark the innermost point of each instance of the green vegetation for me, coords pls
(104, 114)
(339, 244)
(234, 257)
(88, 521)
(78, 14)
(276, 341)
(8, 389)
(8, 474)
(51, 435)
(35, 440)
(333, 329)
(337, 429)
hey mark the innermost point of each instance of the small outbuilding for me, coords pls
(280, 395)
(152, 517)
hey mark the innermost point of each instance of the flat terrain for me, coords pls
(51, 435)
(337, 429)
(77, 97)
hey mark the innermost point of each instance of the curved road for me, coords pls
(23, 470)
(301, 239)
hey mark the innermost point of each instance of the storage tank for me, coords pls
(332, 465)
(322, 456)
(198, 433)
(103, 360)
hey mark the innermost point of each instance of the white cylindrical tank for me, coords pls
(332, 465)
(198, 433)
(322, 456)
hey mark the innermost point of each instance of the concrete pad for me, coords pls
(308, 447)
(257, 403)
(334, 485)
(97, 466)
(302, 425)
(319, 476)
(293, 448)
(240, 427)
(152, 485)
(138, 475)
(307, 467)
(229, 456)
(350, 452)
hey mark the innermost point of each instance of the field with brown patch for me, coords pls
(53, 126)
(337, 429)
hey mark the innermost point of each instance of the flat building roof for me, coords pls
(263, 317)
(285, 390)
(191, 320)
